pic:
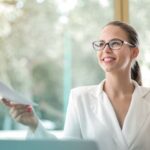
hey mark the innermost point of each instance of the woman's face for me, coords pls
(114, 60)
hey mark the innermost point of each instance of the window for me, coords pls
(46, 50)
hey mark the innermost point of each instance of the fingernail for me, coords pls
(29, 109)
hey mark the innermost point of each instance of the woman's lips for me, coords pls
(108, 59)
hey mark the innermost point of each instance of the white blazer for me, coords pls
(90, 115)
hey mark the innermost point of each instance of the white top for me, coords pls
(90, 115)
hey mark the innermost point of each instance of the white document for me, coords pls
(13, 96)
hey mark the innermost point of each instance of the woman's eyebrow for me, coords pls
(102, 40)
(110, 39)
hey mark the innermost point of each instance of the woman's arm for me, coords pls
(72, 125)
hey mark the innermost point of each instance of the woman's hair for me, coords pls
(136, 73)
(133, 39)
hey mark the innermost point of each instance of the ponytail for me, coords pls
(136, 73)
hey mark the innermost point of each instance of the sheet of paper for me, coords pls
(13, 96)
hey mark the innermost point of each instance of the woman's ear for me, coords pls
(134, 52)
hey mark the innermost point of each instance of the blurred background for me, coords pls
(45, 49)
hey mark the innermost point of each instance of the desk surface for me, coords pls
(47, 145)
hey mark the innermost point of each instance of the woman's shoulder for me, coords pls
(143, 91)
(84, 95)
(85, 89)
(88, 90)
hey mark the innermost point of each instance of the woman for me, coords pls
(114, 113)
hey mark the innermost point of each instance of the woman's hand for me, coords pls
(22, 113)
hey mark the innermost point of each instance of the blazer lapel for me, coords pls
(107, 114)
(137, 114)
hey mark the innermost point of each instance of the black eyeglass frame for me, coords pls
(109, 44)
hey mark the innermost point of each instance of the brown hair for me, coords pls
(133, 39)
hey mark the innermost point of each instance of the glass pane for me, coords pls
(139, 14)
(46, 50)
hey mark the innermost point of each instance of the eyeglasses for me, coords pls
(113, 44)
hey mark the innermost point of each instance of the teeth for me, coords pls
(108, 59)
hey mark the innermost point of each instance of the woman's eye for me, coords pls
(101, 44)
(115, 43)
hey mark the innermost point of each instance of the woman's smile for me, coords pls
(108, 59)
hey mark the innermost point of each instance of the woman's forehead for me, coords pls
(111, 31)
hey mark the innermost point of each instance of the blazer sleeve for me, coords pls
(40, 133)
(72, 124)
(71, 127)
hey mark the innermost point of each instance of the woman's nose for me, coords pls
(107, 48)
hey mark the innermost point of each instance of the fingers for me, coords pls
(19, 112)
(7, 102)
(22, 113)
(16, 106)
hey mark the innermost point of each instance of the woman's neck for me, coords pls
(119, 85)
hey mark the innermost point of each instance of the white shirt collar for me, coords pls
(142, 91)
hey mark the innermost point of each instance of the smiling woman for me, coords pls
(115, 44)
